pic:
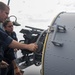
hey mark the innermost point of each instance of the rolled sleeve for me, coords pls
(8, 40)
(5, 41)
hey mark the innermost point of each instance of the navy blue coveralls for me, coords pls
(9, 55)
(5, 41)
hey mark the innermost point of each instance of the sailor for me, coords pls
(7, 41)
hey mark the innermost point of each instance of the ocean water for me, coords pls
(38, 14)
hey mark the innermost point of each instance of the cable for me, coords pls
(44, 48)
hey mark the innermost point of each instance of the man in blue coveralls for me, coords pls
(7, 41)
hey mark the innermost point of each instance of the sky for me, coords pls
(38, 13)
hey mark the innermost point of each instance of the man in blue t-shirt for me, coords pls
(7, 41)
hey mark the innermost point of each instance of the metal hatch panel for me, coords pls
(61, 60)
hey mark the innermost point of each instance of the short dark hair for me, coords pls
(3, 6)
(6, 23)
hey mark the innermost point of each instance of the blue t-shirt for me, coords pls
(5, 41)
(9, 52)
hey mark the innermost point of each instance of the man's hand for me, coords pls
(32, 47)
(3, 64)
